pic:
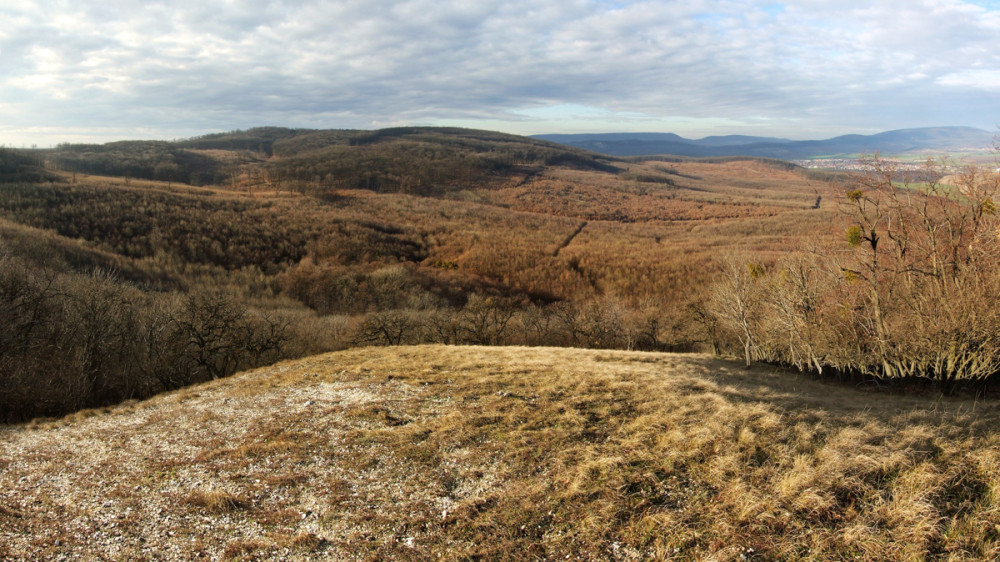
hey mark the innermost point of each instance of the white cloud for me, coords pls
(805, 68)
(987, 80)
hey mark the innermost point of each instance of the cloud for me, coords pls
(802, 69)
(979, 79)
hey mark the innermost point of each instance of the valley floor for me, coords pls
(420, 452)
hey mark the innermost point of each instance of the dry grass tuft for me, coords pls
(215, 501)
(246, 550)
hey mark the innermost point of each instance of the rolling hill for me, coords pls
(326, 239)
(339, 238)
(468, 452)
(903, 141)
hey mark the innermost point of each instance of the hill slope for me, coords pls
(421, 160)
(334, 237)
(415, 452)
(938, 139)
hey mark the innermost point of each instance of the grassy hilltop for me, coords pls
(472, 452)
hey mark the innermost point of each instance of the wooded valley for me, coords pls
(139, 266)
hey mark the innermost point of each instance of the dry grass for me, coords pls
(214, 501)
(462, 452)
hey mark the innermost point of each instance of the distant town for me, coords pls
(846, 164)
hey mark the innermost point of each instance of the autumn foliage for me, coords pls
(319, 240)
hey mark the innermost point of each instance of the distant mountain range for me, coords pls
(929, 139)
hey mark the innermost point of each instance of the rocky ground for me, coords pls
(464, 452)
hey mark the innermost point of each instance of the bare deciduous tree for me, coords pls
(737, 300)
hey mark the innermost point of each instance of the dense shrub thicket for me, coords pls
(22, 166)
(908, 292)
(72, 341)
(152, 160)
(231, 233)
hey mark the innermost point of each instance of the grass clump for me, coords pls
(215, 501)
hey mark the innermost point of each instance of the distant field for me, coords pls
(981, 157)
(520, 453)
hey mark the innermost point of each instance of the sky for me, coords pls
(83, 71)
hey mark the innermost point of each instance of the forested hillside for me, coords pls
(419, 160)
(22, 165)
(320, 240)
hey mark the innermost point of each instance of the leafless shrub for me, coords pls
(737, 301)
(485, 320)
(389, 327)
(218, 336)
(907, 293)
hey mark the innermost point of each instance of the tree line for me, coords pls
(73, 341)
